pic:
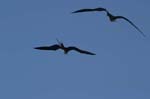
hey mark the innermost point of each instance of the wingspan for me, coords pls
(121, 17)
(80, 51)
(53, 47)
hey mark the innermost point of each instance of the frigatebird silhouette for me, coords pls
(112, 18)
(60, 45)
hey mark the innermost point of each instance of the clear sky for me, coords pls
(119, 70)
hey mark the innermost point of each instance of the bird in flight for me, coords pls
(112, 18)
(60, 45)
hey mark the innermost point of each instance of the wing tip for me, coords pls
(39, 48)
(36, 48)
(89, 53)
(92, 54)
(74, 12)
(143, 34)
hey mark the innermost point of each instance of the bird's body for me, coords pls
(65, 49)
(111, 17)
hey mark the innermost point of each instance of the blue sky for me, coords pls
(120, 70)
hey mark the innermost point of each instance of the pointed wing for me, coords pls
(83, 10)
(121, 17)
(89, 10)
(80, 51)
(53, 47)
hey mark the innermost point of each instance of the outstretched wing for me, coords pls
(121, 17)
(89, 10)
(83, 10)
(53, 47)
(80, 51)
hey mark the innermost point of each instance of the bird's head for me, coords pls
(60, 43)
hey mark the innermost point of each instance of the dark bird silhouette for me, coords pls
(65, 49)
(112, 18)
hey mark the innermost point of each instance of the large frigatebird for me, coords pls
(60, 45)
(112, 18)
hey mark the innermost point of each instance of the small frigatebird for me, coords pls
(60, 45)
(112, 18)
